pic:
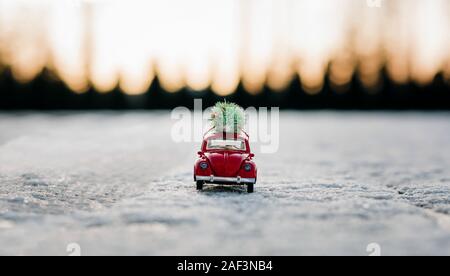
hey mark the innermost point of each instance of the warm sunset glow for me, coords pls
(216, 44)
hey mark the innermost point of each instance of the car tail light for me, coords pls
(204, 165)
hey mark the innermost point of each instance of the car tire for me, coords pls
(250, 188)
(200, 185)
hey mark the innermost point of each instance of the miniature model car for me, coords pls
(226, 159)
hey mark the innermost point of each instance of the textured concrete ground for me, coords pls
(115, 184)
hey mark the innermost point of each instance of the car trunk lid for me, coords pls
(226, 164)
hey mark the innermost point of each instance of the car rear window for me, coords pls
(220, 144)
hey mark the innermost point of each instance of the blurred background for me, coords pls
(117, 182)
(158, 54)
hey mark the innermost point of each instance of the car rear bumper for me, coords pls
(225, 180)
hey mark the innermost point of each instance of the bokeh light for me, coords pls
(217, 44)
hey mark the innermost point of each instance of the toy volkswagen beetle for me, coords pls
(226, 159)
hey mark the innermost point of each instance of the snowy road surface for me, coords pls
(115, 184)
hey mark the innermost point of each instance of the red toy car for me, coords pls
(226, 159)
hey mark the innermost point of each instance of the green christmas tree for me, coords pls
(227, 117)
